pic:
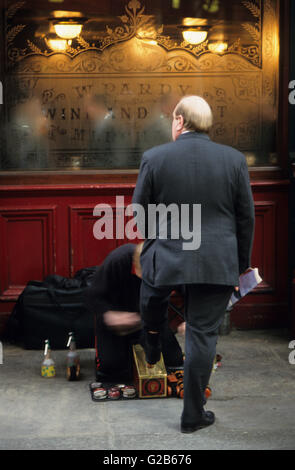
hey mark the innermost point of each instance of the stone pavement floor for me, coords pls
(253, 399)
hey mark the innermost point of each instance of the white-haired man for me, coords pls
(192, 171)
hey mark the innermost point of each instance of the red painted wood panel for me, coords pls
(268, 305)
(85, 249)
(47, 229)
(27, 246)
(264, 246)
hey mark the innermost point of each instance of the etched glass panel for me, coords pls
(99, 99)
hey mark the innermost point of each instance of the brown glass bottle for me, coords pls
(73, 359)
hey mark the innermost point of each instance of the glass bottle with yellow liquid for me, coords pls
(48, 364)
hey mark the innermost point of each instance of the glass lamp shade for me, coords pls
(68, 30)
(194, 37)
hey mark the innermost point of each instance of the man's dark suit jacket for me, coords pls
(195, 170)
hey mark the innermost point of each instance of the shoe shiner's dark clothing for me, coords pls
(116, 288)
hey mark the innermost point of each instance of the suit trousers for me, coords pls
(205, 306)
(114, 357)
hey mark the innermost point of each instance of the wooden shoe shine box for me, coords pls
(149, 382)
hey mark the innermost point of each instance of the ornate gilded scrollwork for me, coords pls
(137, 64)
(134, 24)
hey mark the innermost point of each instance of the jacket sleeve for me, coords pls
(245, 217)
(142, 196)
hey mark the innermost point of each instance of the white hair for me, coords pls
(196, 112)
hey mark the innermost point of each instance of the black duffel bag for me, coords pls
(50, 310)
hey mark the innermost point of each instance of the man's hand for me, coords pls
(122, 322)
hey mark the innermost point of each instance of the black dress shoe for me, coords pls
(207, 420)
(152, 347)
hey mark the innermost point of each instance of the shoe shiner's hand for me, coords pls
(181, 328)
(121, 321)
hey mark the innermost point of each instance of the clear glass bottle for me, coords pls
(48, 364)
(73, 359)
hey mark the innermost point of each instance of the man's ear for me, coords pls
(180, 122)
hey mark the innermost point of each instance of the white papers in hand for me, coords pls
(248, 281)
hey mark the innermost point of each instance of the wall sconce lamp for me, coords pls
(194, 36)
(68, 29)
(194, 30)
(67, 25)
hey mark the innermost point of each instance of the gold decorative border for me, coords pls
(134, 23)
